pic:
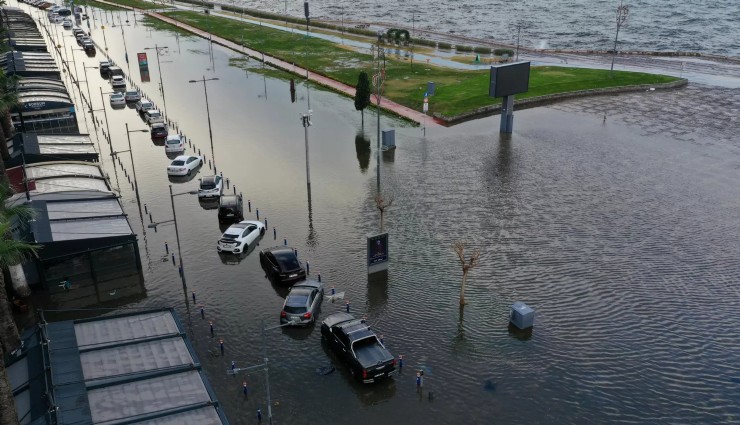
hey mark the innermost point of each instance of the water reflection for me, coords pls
(367, 394)
(389, 155)
(298, 333)
(208, 204)
(362, 147)
(377, 291)
(520, 334)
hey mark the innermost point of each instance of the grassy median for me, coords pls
(457, 92)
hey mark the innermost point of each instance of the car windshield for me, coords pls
(287, 260)
(172, 141)
(178, 162)
(207, 185)
(230, 237)
(131, 93)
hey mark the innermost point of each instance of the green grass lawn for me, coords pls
(139, 4)
(457, 91)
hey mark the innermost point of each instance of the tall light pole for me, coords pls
(378, 80)
(157, 48)
(208, 112)
(133, 165)
(306, 120)
(177, 233)
(622, 12)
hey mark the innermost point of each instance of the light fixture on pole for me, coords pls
(157, 48)
(204, 80)
(177, 233)
(133, 165)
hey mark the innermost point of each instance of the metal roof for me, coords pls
(131, 368)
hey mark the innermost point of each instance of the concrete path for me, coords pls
(327, 82)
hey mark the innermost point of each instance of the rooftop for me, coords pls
(119, 369)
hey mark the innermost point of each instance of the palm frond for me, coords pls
(14, 252)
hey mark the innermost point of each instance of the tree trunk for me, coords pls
(8, 414)
(462, 289)
(362, 113)
(9, 340)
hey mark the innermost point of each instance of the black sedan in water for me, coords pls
(281, 265)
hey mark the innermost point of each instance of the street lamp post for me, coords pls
(208, 112)
(105, 114)
(133, 165)
(159, 69)
(622, 12)
(306, 120)
(177, 233)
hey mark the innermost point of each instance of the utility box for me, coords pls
(431, 87)
(389, 140)
(521, 315)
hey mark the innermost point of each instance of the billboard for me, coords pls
(377, 252)
(509, 79)
(143, 63)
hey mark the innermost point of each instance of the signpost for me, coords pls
(143, 67)
(377, 253)
(506, 81)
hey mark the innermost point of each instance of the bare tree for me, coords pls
(382, 203)
(466, 264)
(622, 12)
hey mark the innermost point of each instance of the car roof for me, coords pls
(116, 94)
(132, 91)
(208, 179)
(184, 157)
(171, 136)
(278, 249)
(308, 284)
(153, 111)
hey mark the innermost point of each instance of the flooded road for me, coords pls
(620, 230)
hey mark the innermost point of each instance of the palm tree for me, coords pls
(473, 261)
(12, 252)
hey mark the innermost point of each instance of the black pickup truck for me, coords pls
(351, 339)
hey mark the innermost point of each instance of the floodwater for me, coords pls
(614, 217)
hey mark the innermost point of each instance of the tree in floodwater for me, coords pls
(622, 12)
(466, 264)
(362, 94)
(382, 203)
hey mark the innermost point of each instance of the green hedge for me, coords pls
(463, 48)
(446, 46)
(425, 42)
(483, 50)
(501, 52)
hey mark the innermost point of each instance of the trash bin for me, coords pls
(521, 315)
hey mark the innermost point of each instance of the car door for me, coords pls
(313, 304)
(245, 237)
(219, 186)
(191, 162)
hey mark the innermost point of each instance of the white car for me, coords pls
(211, 186)
(144, 105)
(174, 143)
(240, 236)
(67, 24)
(153, 115)
(118, 82)
(117, 99)
(132, 96)
(183, 165)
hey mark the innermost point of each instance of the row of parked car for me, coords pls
(351, 338)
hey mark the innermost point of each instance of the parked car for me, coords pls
(88, 46)
(183, 165)
(302, 303)
(159, 131)
(153, 115)
(104, 65)
(211, 187)
(353, 340)
(132, 96)
(174, 143)
(230, 208)
(67, 24)
(114, 70)
(281, 264)
(118, 82)
(144, 105)
(240, 236)
(117, 99)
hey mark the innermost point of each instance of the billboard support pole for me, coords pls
(507, 114)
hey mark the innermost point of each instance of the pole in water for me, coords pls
(249, 203)
(333, 289)
(295, 251)
(346, 303)
(221, 345)
(308, 268)
(400, 361)
(245, 390)
(173, 262)
(259, 415)
(202, 312)
(145, 210)
(210, 324)
(258, 213)
(274, 233)
(233, 365)
(193, 291)
(285, 241)
(166, 248)
(266, 226)
(381, 339)
(418, 379)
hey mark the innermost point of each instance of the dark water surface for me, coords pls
(624, 239)
(706, 26)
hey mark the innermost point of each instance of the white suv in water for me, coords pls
(118, 82)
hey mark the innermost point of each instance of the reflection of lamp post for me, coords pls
(622, 12)
(102, 99)
(159, 69)
(306, 120)
(177, 234)
(208, 112)
(133, 166)
(264, 365)
(89, 96)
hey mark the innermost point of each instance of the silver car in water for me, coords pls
(302, 303)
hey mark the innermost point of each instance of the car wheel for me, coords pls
(190, 171)
(262, 232)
